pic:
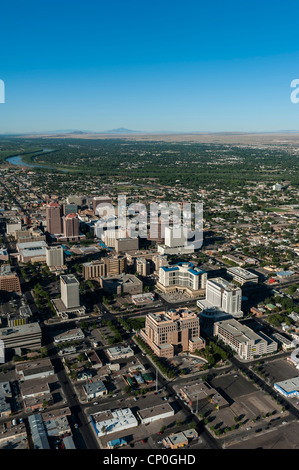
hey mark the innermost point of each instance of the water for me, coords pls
(17, 160)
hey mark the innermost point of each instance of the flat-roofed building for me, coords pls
(142, 266)
(202, 392)
(119, 352)
(35, 369)
(243, 340)
(108, 422)
(126, 244)
(288, 388)
(182, 277)
(109, 266)
(69, 286)
(95, 389)
(122, 284)
(223, 295)
(242, 276)
(22, 336)
(69, 335)
(100, 202)
(154, 413)
(54, 218)
(32, 251)
(54, 256)
(180, 439)
(172, 332)
(9, 280)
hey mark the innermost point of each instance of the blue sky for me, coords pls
(149, 65)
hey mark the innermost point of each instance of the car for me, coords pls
(248, 429)
(144, 441)
(284, 422)
(96, 403)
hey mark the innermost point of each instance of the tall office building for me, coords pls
(100, 200)
(54, 256)
(224, 295)
(54, 218)
(142, 266)
(71, 226)
(69, 286)
(169, 333)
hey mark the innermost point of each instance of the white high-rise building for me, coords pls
(54, 256)
(69, 286)
(224, 295)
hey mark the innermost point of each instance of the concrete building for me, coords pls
(54, 256)
(100, 201)
(95, 389)
(119, 352)
(154, 413)
(40, 368)
(71, 226)
(242, 276)
(126, 244)
(109, 266)
(108, 422)
(223, 295)
(22, 336)
(69, 286)
(122, 284)
(159, 261)
(180, 439)
(32, 251)
(172, 332)
(69, 335)
(142, 266)
(243, 340)
(200, 393)
(182, 277)
(13, 225)
(54, 218)
(175, 242)
(9, 281)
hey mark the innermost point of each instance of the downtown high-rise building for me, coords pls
(54, 256)
(71, 226)
(54, 218)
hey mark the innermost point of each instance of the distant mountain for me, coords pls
(120, 130)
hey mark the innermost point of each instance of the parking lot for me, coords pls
(278, 370)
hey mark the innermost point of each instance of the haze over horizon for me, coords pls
(167, 68)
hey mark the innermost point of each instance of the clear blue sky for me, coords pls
(149, 65)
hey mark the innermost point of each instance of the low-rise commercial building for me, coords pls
(154, 413)
(95, 389)
(122, 284)
(108, 422)
(119, 352)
